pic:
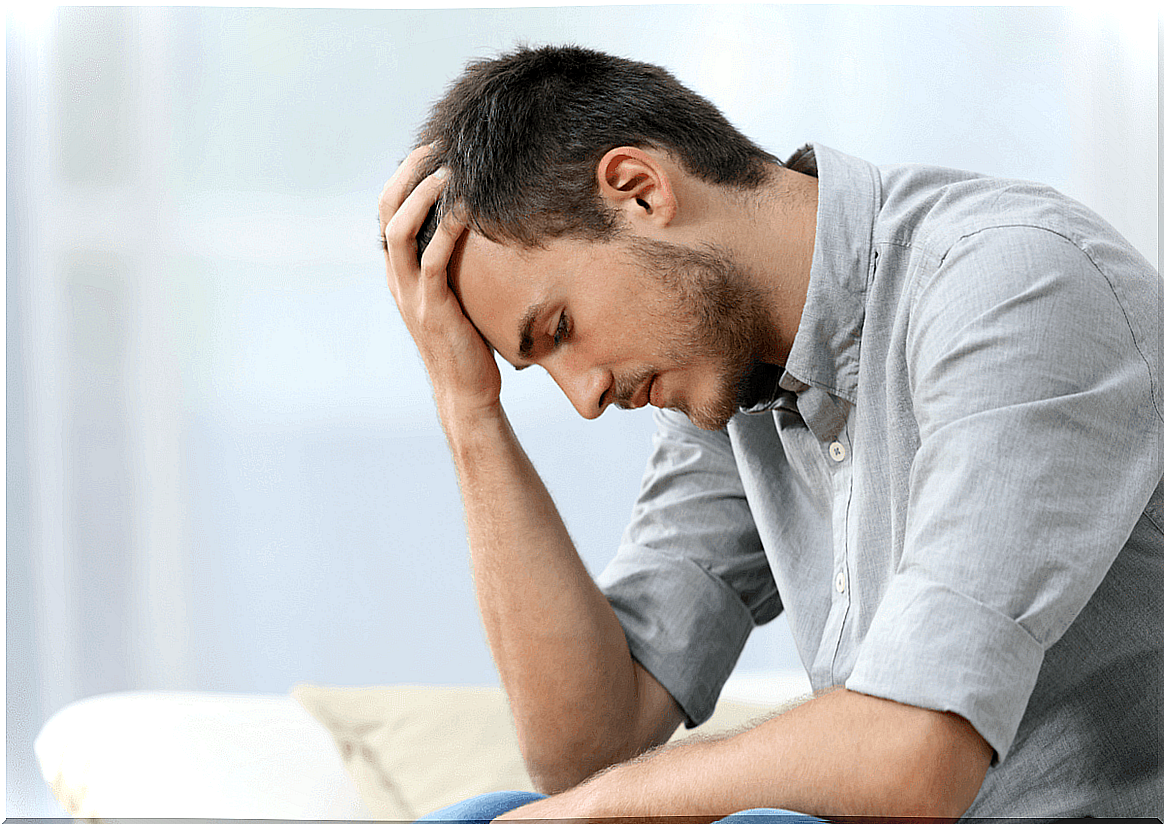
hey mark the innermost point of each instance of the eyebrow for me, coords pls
(525, 341)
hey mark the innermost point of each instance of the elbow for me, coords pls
(557, 769)
(941, 778)
(937, 804)
(953, 797)
(552, 781)
(557, 761)
(563, 751)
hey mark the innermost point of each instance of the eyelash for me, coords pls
(562, 331)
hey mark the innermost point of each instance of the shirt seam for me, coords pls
(1153, 520)
(1153, 381)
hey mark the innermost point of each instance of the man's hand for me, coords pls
(460, 364)
(571, 806)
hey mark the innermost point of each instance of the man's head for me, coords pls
(521, 136)
(607, 207)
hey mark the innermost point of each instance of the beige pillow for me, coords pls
(415, 749)
(412, 750)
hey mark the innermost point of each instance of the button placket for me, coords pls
(841, 469)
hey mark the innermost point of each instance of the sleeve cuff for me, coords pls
(686, 627)
(933, 647)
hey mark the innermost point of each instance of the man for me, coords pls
(918, 410)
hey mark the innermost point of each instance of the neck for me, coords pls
(776, 246)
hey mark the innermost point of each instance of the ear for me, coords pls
(635, 182)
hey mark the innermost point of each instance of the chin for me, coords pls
(712, 415)
(721, 401)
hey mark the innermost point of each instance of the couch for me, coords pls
(318, 753)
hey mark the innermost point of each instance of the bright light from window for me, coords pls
(1134, 24)
(32, 21)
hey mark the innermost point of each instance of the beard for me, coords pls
(718, 316)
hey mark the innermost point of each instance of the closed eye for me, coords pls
(563, 330)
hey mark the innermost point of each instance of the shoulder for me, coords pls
(963, 244)
(933, 209)
(1020, 313)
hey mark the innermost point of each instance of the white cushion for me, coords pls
(194, 755)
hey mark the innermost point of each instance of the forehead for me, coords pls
(499, 283)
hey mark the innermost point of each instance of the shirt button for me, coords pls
(837, 451)
(840, 582)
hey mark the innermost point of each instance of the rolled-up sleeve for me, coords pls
(690, 580)
(1032, 382)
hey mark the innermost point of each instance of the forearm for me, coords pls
(579, 700)
(841, 754)
(557, 643)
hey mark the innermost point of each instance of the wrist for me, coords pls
(609, 794)
(462, 407)
(471, 426)
(464, 396)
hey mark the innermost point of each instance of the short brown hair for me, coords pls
(521, 136)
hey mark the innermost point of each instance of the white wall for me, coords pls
(224, 471)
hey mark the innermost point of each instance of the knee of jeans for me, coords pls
(770, 816)
(483, 808)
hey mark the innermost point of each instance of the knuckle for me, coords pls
(396, 234)
(431, 268)
(447, 229)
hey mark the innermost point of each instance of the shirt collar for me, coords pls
(769, 387)
(826, 350)
(760, 390)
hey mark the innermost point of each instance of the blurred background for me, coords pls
(224, 471)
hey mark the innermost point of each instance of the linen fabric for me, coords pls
(952, 490)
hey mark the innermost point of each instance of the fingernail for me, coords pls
(441, 173)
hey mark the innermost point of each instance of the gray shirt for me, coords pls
(953, 492)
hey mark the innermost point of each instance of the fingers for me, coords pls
(435, 259)
(461, 366)
(402, 225)
(404, 207)
(401, 184)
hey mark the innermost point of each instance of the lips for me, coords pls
(641, 396)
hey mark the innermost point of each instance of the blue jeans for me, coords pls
(484, 808)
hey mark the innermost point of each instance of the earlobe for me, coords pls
(634, 182)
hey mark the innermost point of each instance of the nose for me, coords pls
(588, 389)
